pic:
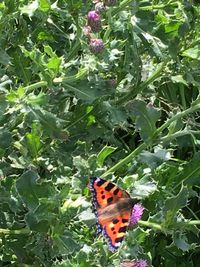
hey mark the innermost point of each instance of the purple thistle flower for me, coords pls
(137, 212)
(96, 46)
(134, 263)
(94, 21)
(141, 263)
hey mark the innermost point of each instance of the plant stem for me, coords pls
(134, 91)
(154, 7)
(126, 160)
(81, 73)
(150, 225)
(176, 117)
(121, 7)
(23, 231)
(194, 222)
(141, 147)
(170, 137)
(34, 86)
(157, 226)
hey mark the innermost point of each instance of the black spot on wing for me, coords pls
(115, 221)
(109, 186)
(125, 220)
(100, 182)
(109, 200)
(122, 229)
(116, 191)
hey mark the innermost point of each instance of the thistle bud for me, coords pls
(110, 2)
(94, 21)
(96, 46)
(99, 7)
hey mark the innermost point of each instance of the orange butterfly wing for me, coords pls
(112, 207)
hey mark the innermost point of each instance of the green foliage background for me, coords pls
(130, 115)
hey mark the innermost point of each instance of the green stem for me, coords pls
(194, 222)
(81, 73)
(158, 227)
(34, 86)
(141, 147)
(182, 94)
(134, 91)
(126, 160)
(177, 117)
(178, 134)
(121, 7)
(154, 7)
(23, 231)
(153, 225)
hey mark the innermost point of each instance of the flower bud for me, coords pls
(99, 7)
(134, 263)
(87, 30)
(96, 46)
(94, 21)
(110, 2)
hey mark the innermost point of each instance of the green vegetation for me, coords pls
(120, 101)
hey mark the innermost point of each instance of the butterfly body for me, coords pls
(112, 207)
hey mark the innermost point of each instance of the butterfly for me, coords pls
(113, 207)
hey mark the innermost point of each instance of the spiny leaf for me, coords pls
(27, 189)
(146, 117)
(173, 205)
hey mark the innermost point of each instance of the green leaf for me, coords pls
(4, 58)
(51, 124)
(153, 160)
(191, 172)
(66, 243)
(33, 141)
(30, 8)
(180, 240)
(193, 53)
(34, 224)
(44, 5)
(104, 153)
(5, 138)
(88, 217)
(173, 205)
(41, 99)
(146, 117)
(143, 187)
(54, 63)
(27, 189)
(179, 79)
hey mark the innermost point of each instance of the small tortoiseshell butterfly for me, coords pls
(112, 207)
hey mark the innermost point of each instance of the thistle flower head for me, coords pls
(134, 263)
(87, 30)
(94, 21)
(110, 2)
(96, 46)
(93, 16)
(141, 263)
(99, 7)
(137, 212)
